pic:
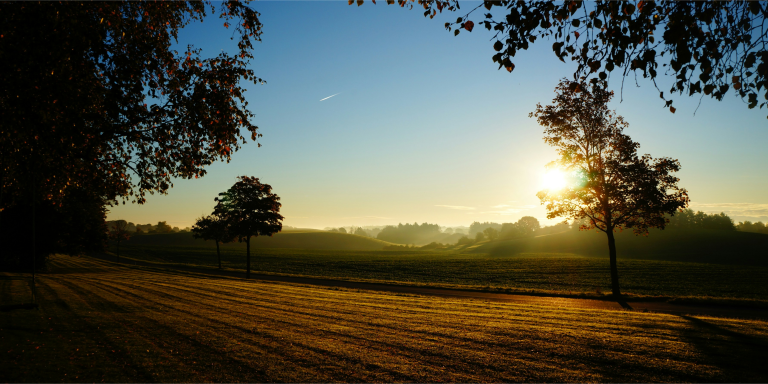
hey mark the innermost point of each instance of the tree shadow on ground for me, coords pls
(740, 357)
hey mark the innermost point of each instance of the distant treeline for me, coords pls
(687, 219)
(430, 236)
(138, 229)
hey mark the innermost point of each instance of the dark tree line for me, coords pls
(687, 219)
(95, 107)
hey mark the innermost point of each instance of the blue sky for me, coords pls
(426, 129)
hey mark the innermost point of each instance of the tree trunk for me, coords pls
(614, 270)
(248, 258)
(218, 254)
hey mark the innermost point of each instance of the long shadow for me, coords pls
(740, 357)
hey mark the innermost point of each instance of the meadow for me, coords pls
(100, 322)
(540, 273)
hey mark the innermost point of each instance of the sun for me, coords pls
(554, 180)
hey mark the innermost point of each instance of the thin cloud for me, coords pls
(367, 217)
(326, 98)
(459, 207)
(508, 210)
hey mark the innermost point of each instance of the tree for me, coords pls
(710, 46)
(613, 188)
(213, 227)
(480, 236)
(118, 233)
(93, 96)
(361, 232)
(251, 209)
(491, 233)
(342, 230)
(528, 225)
(162, 227)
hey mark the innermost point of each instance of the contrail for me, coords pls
(329, 97)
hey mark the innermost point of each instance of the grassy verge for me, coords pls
(542, 274)
(99, 322)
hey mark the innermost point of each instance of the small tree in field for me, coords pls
(119, 232)
(251, 210)
(612, 187)
(213, 227)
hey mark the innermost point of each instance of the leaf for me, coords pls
(672, 109)
(498, 45)
(469, 25)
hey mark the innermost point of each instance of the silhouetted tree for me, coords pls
(251, 209)
(96, 96)
(614, 188)
(213, 227)
(361, 232)
(687, 219)
(162, 227)
(342, 230)
(711, 46)
(479, 237)
(118, 233)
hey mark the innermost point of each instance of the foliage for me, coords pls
(707, 47)
(213, 227)
(361, 232)
(748, 226)
(464, 240)
(687, 219)
(477, 226)
(162, 227)
(250, 209)
(410, 233)
(613, 187)
(94, 97)
(491, 233)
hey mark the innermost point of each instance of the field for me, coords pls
(702, 246)
(100, 322)
(303, 239)
(531, 273)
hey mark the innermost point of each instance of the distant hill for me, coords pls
(703, 246)
(298, 239)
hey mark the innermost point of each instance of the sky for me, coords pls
(423, 127)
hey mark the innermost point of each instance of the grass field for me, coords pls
(702, 246)
(102, 323)
(302, 239)
(537, 273)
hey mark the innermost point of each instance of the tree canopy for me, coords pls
(706, 47)
(612, 187)
(213, 227)
(95, 96)
(250, 209)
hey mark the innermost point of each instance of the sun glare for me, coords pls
(554, 180)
